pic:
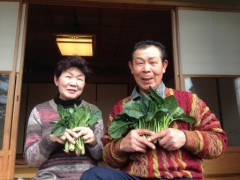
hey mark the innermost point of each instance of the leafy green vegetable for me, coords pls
(77, 116)
(151, 112)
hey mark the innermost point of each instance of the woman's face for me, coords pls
(70, 83)
(148, 68)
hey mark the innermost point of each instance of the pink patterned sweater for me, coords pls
(40, 151)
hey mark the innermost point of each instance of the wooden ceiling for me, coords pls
(116, 31)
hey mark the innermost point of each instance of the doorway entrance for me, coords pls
(116, 29)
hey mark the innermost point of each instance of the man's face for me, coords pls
(147, 67)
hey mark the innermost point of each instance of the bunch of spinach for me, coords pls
(77, 116)
(151, 112)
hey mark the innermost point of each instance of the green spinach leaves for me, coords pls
(77, 116)
(151, 112)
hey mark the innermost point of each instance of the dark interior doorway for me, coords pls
(116, 31)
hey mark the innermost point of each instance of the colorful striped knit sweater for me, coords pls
(40, 151)
(205, 140)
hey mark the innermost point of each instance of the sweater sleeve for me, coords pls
(111, 151)
(206, 139)
(96, 149)
(37, 147)
(112, 155)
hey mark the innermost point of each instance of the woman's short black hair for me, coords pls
(72, 61)
(146, 43)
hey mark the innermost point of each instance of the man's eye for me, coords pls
(153, 62)
(139, 63)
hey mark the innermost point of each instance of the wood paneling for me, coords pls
(224, 167)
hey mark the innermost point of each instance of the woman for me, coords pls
(43, 148)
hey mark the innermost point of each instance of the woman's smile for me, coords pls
(71, 91)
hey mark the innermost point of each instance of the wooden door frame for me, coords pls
(8, 151)
(21, 41)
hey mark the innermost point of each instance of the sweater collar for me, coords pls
(160, 90)
(67, 103)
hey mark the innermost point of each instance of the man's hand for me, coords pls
(135, 141)
(170, 139)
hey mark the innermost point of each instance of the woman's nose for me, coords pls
(73, 82)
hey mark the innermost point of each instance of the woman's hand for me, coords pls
(170, 139)
(68, 135)
(135, 141)
(72, 134)
(86, 133)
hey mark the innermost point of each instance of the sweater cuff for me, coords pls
(48, 143)
(118, 152)
(93, 144)
(192, 141)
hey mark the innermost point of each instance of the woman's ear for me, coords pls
(55, 80)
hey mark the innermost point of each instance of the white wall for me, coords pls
(209, 42)
(8, 29)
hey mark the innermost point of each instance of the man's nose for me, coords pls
(146, 67)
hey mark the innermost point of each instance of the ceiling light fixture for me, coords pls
(75, 44)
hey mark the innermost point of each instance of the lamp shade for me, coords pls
(75, 44)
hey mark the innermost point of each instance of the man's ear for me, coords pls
(130, 65)
(165, 64)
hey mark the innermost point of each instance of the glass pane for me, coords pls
(222, 95)
(3, 100)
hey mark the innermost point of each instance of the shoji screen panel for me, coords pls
(8, 28)
(209, 42)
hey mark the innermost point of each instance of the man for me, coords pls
(180, 149)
